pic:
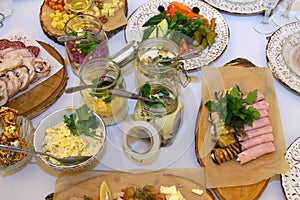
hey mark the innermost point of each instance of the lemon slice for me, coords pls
(105, 193)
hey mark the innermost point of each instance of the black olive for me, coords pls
(161, 8)
(196, 10)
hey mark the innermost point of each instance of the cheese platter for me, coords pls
(52, 20)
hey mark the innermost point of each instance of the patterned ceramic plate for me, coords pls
(290, 181)
(147, 10)
(276, 62)
(238, 6)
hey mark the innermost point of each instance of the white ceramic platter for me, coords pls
(290, 181)
(275, 59)
(246, 7)
(149, 9)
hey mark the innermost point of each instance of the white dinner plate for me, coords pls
(149, 9)
(290, 181)
(276, 62)
(246, 7)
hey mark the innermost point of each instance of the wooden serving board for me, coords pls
(246, 192)
(52, 33)
(39, 98)
(120, 180)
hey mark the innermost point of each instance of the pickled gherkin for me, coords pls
(211, 38)
(204, 36)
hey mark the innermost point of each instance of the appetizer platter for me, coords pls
(245, 7)
(290, 180)
(234, 144)
(287, 75)
(52, 18)
(138, 24)
(39, 77)
(115, 184)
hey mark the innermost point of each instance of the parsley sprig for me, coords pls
(87, 45)
(83, 121)
(233, 111)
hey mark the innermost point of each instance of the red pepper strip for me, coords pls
(181, 6)
(172, 10)
(192, 16)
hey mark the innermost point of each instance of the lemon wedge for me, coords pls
(105, 193)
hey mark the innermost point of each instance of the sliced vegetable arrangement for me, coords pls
(182, 24)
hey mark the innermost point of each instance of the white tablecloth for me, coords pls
(34, 183)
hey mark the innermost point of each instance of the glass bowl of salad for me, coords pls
(15, 131)
(88, 40)
(70, 131)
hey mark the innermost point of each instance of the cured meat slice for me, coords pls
(255, 152)
(4, 51)
(4, 43)
(256, 132)
(260, 105)
(3, 93)
(24, 52)
(34, 50)
(263, 113)
(246, 144)
(261, 122)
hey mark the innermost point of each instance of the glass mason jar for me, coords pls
(91, 43)
(105, 74)
(166, 118)
(147, 69)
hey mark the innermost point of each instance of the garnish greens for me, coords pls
(160, 92)
(179, 23)
(232, 109)
(99, 94)
(83, 121)
(86, 46)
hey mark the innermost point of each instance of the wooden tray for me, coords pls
(39, 98)
(119, 180)
(52, 33)
(247, 192)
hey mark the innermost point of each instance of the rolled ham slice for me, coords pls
(247, 144)
(261, 122)
(256, 132)
(260, 105)
(260, 96)
(255, 152)
(263, 113)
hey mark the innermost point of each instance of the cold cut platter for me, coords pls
(220, 148)
(33, 74)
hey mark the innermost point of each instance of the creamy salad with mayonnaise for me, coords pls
(78, 135)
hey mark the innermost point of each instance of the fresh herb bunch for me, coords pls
(147, 193)
(95, 91)
(83, 121)
(87, 45)
(160, 92)
(233, 111)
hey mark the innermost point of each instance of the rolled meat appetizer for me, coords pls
(255, 152)
(247, 144)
